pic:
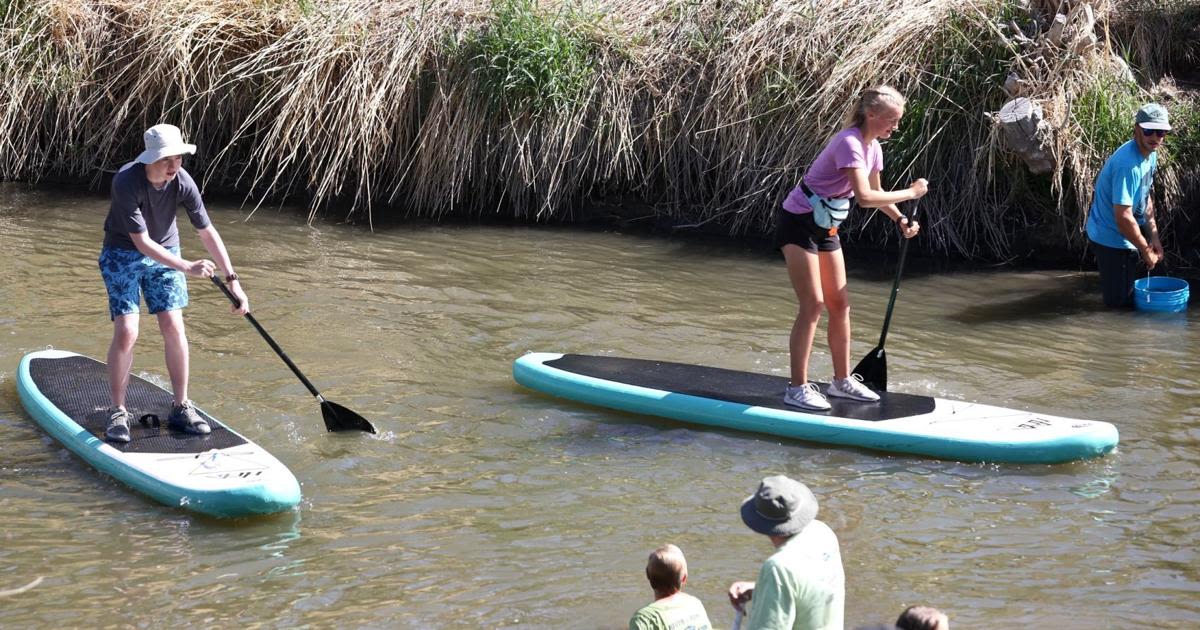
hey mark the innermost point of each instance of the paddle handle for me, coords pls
(737, 620)
(271, 342)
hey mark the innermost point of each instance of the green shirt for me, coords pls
(677, 612)
(801, 586)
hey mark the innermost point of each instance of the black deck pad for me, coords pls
(747, 388)
(78, 386)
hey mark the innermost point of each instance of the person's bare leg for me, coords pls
(170, 323)
(837, 303)
(120, 356)
(805, 273)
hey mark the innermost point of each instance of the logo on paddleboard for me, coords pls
(1035, 422)
(224, 466)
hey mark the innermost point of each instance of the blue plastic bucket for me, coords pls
(1160, 293)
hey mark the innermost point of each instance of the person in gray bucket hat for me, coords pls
(802, 585)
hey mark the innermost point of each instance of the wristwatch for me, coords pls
(231, 277)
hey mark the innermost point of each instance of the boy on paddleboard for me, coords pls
(141, 257)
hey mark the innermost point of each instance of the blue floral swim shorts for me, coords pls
(129, 274)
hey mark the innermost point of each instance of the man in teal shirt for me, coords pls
(802, 586)
(1120, 223)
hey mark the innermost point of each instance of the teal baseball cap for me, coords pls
(1153, 116)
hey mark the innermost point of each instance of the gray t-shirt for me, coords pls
(138, 207)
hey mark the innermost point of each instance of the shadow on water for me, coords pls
(1063, 296)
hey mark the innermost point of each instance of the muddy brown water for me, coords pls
(482, 504)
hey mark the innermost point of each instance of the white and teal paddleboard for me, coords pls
(744, 401)
(221, 474)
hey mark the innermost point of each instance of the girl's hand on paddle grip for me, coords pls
(919, 188)
(908, 228)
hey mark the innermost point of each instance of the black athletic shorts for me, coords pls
(1118, 269)
(802, 230)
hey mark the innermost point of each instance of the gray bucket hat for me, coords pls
(781, 507)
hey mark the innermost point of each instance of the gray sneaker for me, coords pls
(185, 418)
(852, 387)
(806, 396)
(118, 425)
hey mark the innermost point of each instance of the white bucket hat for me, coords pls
(163, 140)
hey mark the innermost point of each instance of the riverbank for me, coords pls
(696, 116)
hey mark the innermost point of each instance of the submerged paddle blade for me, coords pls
(339, 418)
(873, 370)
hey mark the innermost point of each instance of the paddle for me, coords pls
(873, 367)
(337, 417)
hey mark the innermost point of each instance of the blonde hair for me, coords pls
(923, 618)
(871, 100)
(666, 569)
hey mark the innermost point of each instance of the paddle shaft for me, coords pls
(271, 342)
(887, 319)
(872, 369)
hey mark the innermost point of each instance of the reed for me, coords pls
(703, 112)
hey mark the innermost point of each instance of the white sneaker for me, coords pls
(806, 396)
(852, 387)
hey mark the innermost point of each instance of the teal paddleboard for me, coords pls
(220, 474)
(898, 423)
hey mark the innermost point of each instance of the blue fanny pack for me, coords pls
(827, 212)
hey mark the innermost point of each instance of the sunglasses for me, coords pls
(1161, 133)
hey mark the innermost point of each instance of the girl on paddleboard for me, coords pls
(806, 231)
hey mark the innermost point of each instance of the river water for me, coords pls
(485, 505)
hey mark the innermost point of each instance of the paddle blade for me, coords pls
(339, 418)
(873, 370)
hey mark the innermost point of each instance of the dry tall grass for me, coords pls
(704, 110)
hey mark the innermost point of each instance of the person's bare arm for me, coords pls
(1132, 232)
(907, 227)
(198, 268)
(216, 248)
(869, 196)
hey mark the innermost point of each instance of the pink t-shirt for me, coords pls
(825, 176)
